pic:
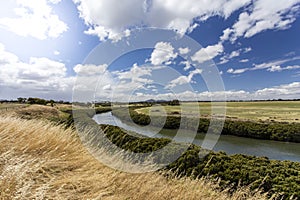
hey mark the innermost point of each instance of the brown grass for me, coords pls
(42, 161)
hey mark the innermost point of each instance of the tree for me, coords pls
(52, 102)
(36, 101)
(174, 103)
(21, 100)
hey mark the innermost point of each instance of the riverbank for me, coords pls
(277, 131)
(279, 178)
(274, 150)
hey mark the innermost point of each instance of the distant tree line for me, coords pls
(32, 100)
(152, 102)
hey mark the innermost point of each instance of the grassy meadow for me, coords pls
(278, 111)
(40, 159)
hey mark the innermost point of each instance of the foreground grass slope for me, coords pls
(39, 160)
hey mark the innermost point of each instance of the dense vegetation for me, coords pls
(275, 177)
(39, 160)
(288, 132)
(280, 177)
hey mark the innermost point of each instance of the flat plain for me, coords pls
(279, 111)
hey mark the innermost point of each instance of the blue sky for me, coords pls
(46, 49)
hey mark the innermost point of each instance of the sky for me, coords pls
(150, 49)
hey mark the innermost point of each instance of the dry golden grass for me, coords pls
(280, 111)
(37, 111)
(39, 160)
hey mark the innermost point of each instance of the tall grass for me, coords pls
(39, 160)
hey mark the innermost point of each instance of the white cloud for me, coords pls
(181, 80)
(7, 57)
(103, 33)
(91, 81)
(135, 74)
(226, 58)
(54, 1)
(272, 66)
(163, 53)
(56, 53)
(226, 34)
(109, 19)
(237, 71)
(286, 91)
(275, 68)
(124, 83)
(39, 76)
(223, 60)
(274, 63)
(244, 60)
(248, 49)
(208, 53)
(129, 86)
(234, 54)
(42, 68)
(106, 20)
(90, 70)
(35, 19)
(184, 51)
(263, 15)
(107, 87)
(187, 65)
(278, 68)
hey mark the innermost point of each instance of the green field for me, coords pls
(280, 111)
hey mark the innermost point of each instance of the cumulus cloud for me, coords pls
(181, 80)
(109, 19)
(35, 19)
(286, 91)
(39, 75)
(184, 51)
(263, 15)
(90, 70)
(7, 57)
(135, 73)
(208, 53)
(163, 53)
(136, 78)
(187, 65)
